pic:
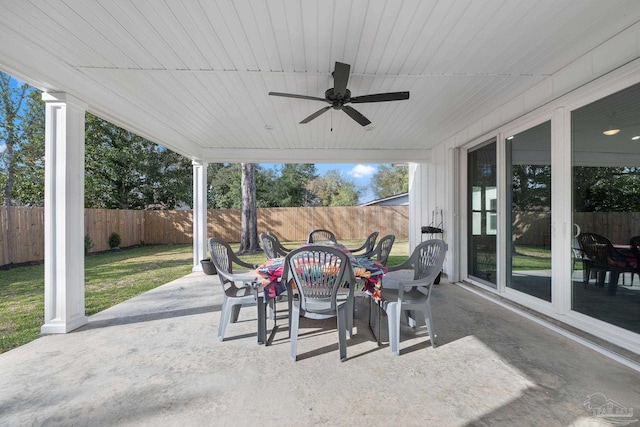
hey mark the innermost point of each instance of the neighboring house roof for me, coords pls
(395, 200)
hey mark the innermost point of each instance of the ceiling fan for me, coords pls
(339, 95)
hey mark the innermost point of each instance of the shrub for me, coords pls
(88, 244)
(114, 240)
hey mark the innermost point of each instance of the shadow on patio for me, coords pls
(155, 360)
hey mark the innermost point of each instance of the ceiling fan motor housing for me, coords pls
(336, 101)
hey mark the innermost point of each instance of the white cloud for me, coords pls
(362, 171)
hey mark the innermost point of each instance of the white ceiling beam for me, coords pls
(314, 156)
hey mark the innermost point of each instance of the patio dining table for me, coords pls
(368, 274)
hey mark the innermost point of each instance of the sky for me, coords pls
(358, 173)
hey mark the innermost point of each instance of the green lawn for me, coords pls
(525, 258)
(531, 258)
(110, 278)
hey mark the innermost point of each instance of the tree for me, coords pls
(11, 99)
(291, 187)
(390, 180)
(123, 170)
(167, 178)
(333, 189)
(531, 186)
(126, 171)
(225, 190)
(612, 189)
(249, 237)
(265, 179)
(28, 188)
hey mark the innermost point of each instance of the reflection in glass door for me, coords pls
(482, 201)
(606, 183)
(529, 219)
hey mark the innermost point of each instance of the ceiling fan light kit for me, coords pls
(612, 129)
(339, 95)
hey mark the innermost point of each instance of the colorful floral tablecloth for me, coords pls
(368, 271)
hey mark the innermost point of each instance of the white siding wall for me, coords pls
(612, 66)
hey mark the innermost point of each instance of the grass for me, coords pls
(531, 258)
(114, 277)
(110, 278)
(525, 258)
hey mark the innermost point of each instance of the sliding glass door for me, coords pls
(529, 223)
(482, 202)
(605, 137)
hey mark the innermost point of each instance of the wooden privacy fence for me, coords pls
(618, 227)
(21, 234)
(22, 228)
(349, 222)
(533, 228)
(100, 223)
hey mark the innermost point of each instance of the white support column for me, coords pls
(64, 214)
(452, 206)
(417, 195)
(199, 213)
(561, 211)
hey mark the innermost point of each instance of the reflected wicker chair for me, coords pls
(635, 250)
(578, 255)
(601, 257)
(367, 247)
(321, 236)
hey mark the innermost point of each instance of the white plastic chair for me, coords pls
(235, 296)
(368, 246)
(320, 274)
(321, 236)
(414, 295)
(382, 250)
(279, 243)
(272, 247)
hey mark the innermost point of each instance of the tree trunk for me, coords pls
(249, 238)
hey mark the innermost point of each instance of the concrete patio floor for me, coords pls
(155, 360)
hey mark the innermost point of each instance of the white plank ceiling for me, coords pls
(194, 75)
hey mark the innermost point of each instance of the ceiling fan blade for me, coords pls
(381, 97)
(340, 79)
(316, 114)
(291, 95)
(355, 115)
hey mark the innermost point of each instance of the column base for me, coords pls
(59, 327)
